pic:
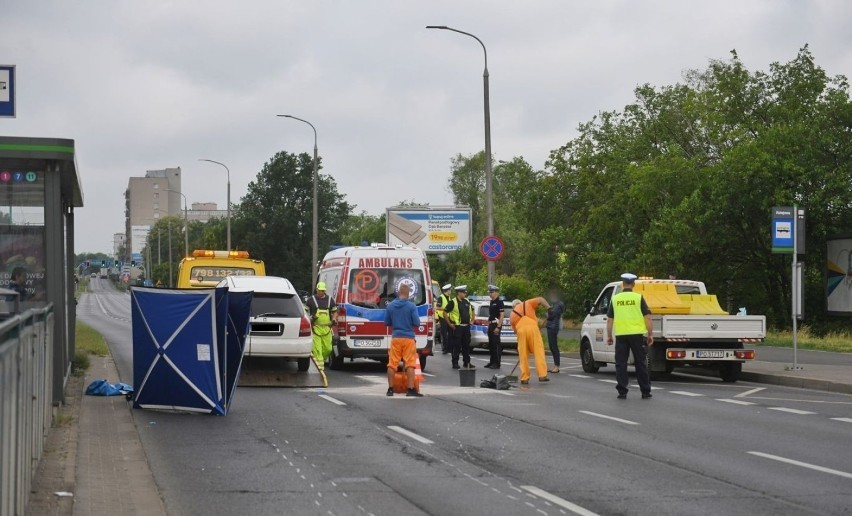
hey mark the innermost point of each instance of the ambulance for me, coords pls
(362, 281)
(206, 268)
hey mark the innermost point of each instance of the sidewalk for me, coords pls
(93, 457)
(94, 464)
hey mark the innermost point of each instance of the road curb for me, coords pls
(782, 380)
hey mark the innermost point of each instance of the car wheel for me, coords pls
(587, 359)
(304, 364)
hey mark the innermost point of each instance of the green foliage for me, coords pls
(363, 229)
(274, 220)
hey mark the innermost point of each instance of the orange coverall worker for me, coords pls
(525, 323)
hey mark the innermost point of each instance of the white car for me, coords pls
(479, 328)
(279, 325)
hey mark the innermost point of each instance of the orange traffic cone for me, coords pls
(418, 373)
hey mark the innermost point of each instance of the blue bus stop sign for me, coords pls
(492, 248)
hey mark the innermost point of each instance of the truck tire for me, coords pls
(587, 359)
(730, 372)
(303, 364)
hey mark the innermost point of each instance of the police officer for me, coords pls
(630, 317)
(322, 309)
(495, 325)
(458, 314)
(439, 315)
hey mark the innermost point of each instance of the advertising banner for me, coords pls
(839, 275)
(434, 230)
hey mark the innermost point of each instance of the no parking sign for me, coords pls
(491, 248)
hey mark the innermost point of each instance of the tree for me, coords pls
(274, 219)
(363, 229)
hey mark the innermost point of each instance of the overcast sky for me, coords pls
(143, 85)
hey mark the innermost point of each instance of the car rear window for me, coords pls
(280, 305)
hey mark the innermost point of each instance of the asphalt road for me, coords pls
(700, 446)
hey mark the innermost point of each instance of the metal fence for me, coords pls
(26, 387)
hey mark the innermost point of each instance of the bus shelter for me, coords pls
(39, 189)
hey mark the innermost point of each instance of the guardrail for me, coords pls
(26, 387)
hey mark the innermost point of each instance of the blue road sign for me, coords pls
(492, 248)
(7, 91)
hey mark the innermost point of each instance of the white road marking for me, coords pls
(749, 393)
(609, 381)
(430, 375)
(579, 376)
(505, 393)
(410, 434)
(843, 419)
(333, 400)
(686, 393)
(561, 502)
(625, 421)
(736, 402)
(802, 464)
(791, 410)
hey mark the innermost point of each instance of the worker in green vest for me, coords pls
(629, 318)
(439, 316)
(323, 311)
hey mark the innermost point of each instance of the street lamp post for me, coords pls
(185, 224)
(315, 238)
(229, 197)
(489, 203)
(171, 284)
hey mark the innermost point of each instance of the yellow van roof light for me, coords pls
(208, 253)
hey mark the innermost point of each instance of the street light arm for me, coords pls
(315, 209)
(444, 27)
(228, 200)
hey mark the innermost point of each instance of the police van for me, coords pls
(362, 281)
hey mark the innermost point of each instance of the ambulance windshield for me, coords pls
(375, 288)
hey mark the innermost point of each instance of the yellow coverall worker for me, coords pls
(525, 323)
(322, 309)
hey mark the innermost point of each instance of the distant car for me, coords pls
(279, 325)
(479, 328)
(94, 275)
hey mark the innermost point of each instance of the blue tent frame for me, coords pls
(188, 347)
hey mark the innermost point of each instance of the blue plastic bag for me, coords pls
(104, 388)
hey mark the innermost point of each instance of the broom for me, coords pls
(510, 377)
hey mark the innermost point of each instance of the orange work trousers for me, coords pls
(530, 341)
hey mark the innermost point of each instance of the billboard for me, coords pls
(434, 230)
(839, 275)
(138, 239)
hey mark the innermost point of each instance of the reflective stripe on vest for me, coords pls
(627, 314)
(322, 324)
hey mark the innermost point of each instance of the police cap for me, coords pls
(461, 288)
(628, 277)
(493, 288)
(448, 286)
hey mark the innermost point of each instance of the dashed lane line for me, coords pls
(561, 502)
(333, 400)
(686, 393)
(736, 402)
(802, 464)
(842, 419)
(792, 410)
(611, 418)
(749, 393)
(409, 433)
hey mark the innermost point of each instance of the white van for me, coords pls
(279, 325)
(362, 281)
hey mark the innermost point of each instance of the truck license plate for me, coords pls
(703, 353)
(367, 343)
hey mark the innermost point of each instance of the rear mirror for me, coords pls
(587, 305)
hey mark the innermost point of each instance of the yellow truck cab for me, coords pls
(206, 268)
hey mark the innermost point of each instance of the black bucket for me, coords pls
(467, 377)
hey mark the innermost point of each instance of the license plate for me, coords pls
(366, 343)
(709, 354)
